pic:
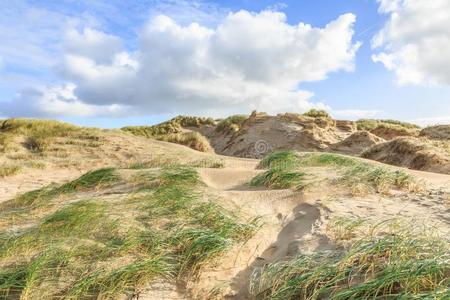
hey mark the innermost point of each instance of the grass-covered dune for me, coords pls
(388, 129)
(285, 169)
(79, 241)
(173, 131)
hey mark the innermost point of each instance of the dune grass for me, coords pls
(371, 124)
(231, 124)
(285, 171)
(91, 180)
(9, 170)
(192, 140)
(40, 136)
(104, 246)
(174, 125)
(385, 264)
(172, 131)
(317, 113)
(388, 128)
(280, 178)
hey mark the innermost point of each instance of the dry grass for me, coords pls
(9, 170)
(388, 129)
(172, 131)
(231, 124)
(371, 124)
(174, 125)
(192, 140)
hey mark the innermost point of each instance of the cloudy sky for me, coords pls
(112, 63)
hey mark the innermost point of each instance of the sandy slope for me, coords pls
(296, 221)
(292, 221)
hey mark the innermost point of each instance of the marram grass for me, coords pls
(103, 247)
(285, 171)
(400, 264)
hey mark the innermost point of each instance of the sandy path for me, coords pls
(288, 223)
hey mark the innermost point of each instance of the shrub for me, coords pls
(317, 113)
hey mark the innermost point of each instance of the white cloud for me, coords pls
(248, 61)
(57, 101)
(415, 41)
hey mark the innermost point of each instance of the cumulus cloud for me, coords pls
(248, 61)
(415, 41)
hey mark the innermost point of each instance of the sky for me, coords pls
(111, 63)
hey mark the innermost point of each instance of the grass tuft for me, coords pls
(6, 171)
(285, 172)
(280, 178)
(317, 113)
(94, 179)
(231, 124)
(280, 159)
(384, 265)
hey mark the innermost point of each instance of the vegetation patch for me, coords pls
(39, 134)
(91, 180)
(9, 170)
(386, 264)
(104, 247)
(317, 113)
(285, 171)
(231, 124)
(388, 129)
(371, 124)
(174, 125)
(193, 140)
(280, 178)
(172, 131)
(6, 141)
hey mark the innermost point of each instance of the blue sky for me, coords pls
(46, 43)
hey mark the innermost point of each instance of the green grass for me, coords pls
(286, 159)
(9, 170)
(378, 179)
(165, 162)
(280, 178)
(386, 264)
(104, 247)
(92, 180)
(285, 171)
